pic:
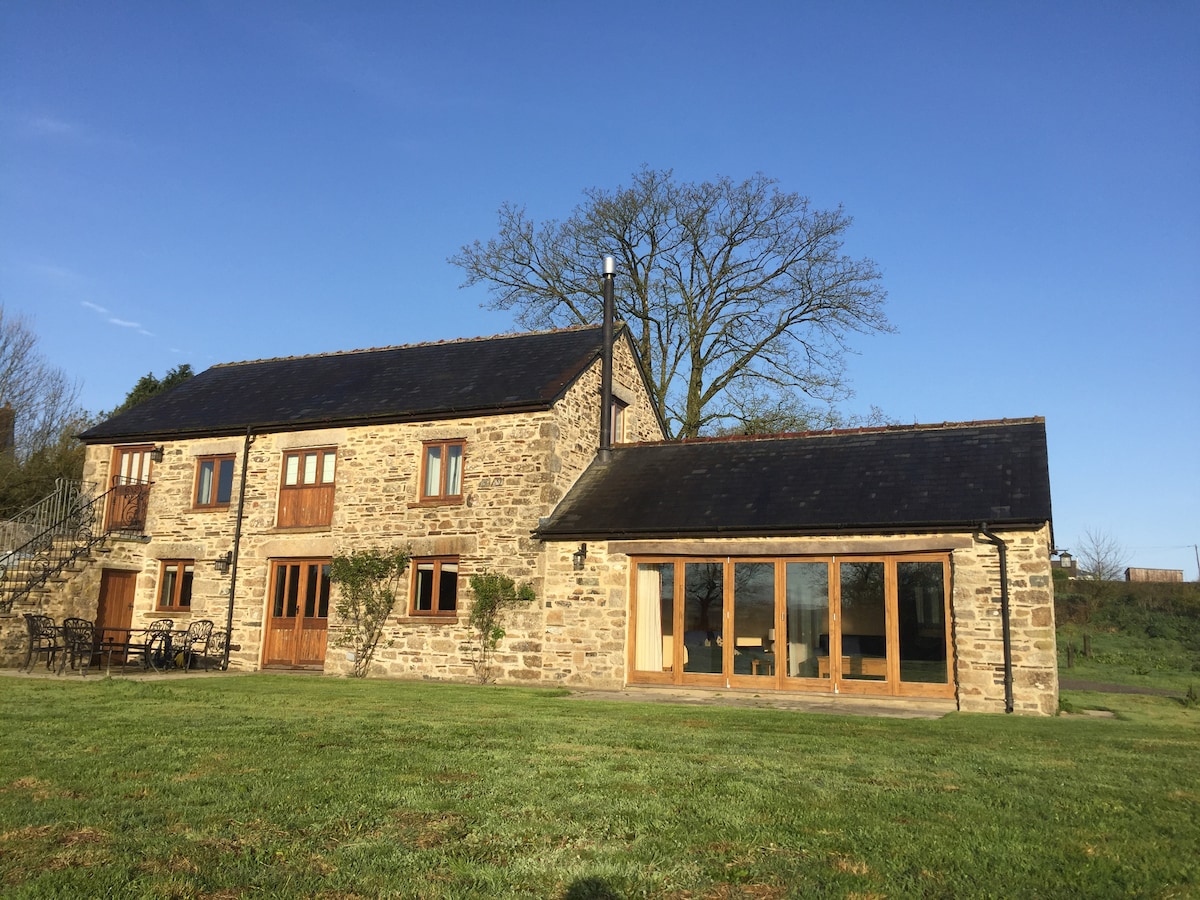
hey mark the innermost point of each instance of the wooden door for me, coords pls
(114, 609)
(130, 485)
(298, 614)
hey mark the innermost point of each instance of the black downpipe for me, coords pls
(607, 362)
(237, 545)
(1005, 625)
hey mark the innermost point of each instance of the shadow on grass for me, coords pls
(591, 889)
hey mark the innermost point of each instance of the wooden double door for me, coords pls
(297, 614)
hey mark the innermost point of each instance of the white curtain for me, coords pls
(648, 654)
(454, 471)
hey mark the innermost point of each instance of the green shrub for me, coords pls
(494, 595)
(367, 581)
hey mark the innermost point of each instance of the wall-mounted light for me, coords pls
(222, 563)
(578, 557)
(157, 454)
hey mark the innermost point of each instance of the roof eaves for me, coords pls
(594, 534)
(316, 424)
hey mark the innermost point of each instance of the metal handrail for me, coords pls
(46, 513)
(80, 527)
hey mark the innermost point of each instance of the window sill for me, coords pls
(224, 507)
(447, 619)
(437, 501)
(301, 529)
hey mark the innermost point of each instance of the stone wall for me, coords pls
(587, 611)
(516, 467)
(978, 627)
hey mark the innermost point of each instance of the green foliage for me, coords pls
(275, 786)
(367, 581)
(495, 594)
(148, 386)
(23, 482)
(1142, 634)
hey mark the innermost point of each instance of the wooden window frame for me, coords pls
(308, 505)
(177, 593)
(434, 612)
(216, 460)
(442, 497)
(617, 421)
(892, 686)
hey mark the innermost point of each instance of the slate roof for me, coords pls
(411, 383)
(887, 479)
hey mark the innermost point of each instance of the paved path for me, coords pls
(836, 704)
(1075, 684)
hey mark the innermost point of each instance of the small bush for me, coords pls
(494, 595)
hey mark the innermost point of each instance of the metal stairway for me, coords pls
(43, 540)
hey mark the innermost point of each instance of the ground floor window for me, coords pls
(175, 584)
(434, 587)
(852, 624)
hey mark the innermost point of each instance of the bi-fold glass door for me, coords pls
(855, 625)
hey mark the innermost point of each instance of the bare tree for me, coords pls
(41, 396)
(1101, 560)
(45, 414)
(1100, 557)
(730, 289)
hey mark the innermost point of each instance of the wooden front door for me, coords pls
(115, 606)
(298, 614)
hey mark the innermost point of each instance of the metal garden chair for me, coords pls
(194, 643)
(79, 645)
(45, 639)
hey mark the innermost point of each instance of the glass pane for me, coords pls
(310, 591)
(323, 601)
(185, 586)
(293, 591)
(703, 615)
(654, 648)
(807, 620)
(292, 470)
(204, 486)
(166, 592)
(921, 609)
(433, 472)
(753, 618)
(310, 468)
(423, 599)
(864, 622)
(617, 422)
(280, 588)
(454, 470)
(225, 481)
(327, 464)
(448, 587)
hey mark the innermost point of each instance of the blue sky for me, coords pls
(208, 182)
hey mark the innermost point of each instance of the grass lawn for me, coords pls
(278, 786)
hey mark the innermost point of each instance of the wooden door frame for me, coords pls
(277, 566)
(837, 683)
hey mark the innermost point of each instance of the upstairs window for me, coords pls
(306, 494)
(617, 421)
(435, 587)
(441, 471)
(175, 584)
(214, 481)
